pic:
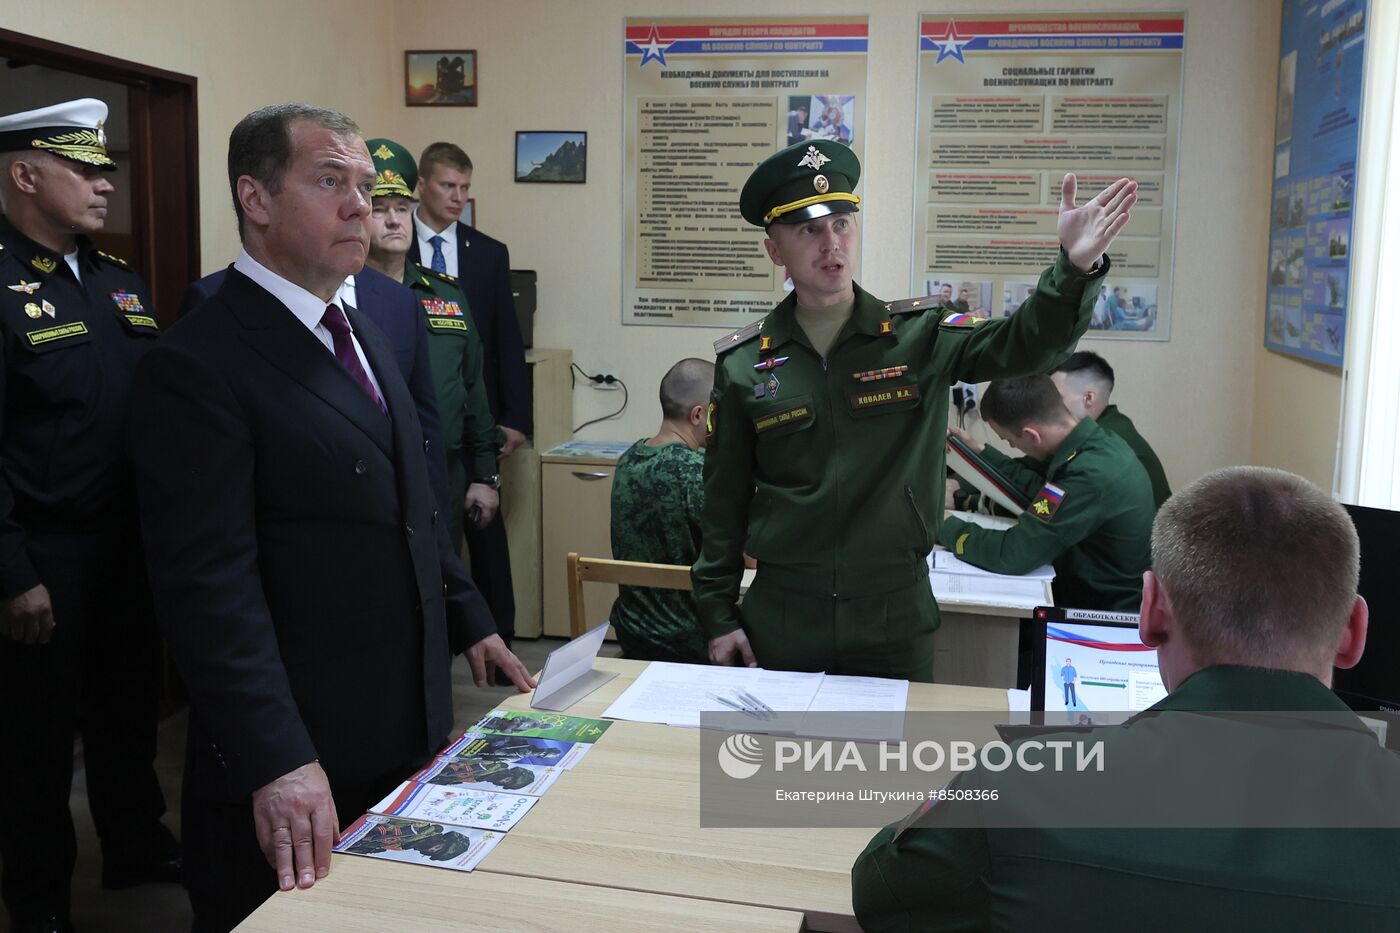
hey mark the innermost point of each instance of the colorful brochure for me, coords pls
(517, 748)
(488, 775)
(420, 842)
(542, 725)
(460, 806)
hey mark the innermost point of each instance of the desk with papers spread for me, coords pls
(622, 824)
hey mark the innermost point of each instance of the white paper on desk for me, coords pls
(994, 522)
(1012, 592)
(676, 694)
(948, 562)
(879, 702)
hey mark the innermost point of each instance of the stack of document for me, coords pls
(773, 702)
(956, 581)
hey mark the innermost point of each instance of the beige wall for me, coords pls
(1192, 396)
(245, 53)
(551, 64)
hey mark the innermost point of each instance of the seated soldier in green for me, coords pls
(1091, 505)
(1251, 603)
(657, 494)
(1085, 381)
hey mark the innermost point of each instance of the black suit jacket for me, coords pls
(301, 569)
(483, 270)
(395, 309)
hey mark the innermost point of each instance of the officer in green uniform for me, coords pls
(1085, 381)
(469, 432)
(826, 428)
(1251, 603)
(1091, 505)
(78, 643)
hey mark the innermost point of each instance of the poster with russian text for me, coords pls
(1316, 129)
(704, 101)
(1008, 103)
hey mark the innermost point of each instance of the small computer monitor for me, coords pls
(1373, 685)
(1086, 661)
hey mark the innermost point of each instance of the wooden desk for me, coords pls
(370, 896)
(589, 829)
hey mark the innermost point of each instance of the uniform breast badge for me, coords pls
(33, 310)
(769, 367)
(49, 309)
(127, 302)
(27, 288)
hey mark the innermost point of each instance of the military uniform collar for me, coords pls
(1234, 687)
(1076, 439)
(781, 324)
(38, 259)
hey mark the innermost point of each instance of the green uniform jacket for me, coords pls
(940, 878)
(1115, 422)
(1090, 515)
(835, 484)
(454, 350)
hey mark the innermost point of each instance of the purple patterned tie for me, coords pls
(334, 321)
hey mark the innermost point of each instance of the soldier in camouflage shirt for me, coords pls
(657, 495)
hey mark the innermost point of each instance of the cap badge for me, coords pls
(814, 158)
(383, 152)
(821, 184)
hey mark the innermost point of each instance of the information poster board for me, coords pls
(705, 100)
(1316, 131)
(1008, 103)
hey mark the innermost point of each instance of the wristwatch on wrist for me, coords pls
(494, 480)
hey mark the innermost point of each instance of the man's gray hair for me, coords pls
(684, 386)
(260, 146)
(1260, 567)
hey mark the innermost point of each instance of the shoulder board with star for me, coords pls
(450, 280)
(741, 336)
(960, 320)
(114, 260)
(911, 305)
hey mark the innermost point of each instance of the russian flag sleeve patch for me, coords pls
(1047, 502)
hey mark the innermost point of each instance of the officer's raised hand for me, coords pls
(1086, 231)
(724, 649)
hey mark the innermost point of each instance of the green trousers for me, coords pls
(885, 635)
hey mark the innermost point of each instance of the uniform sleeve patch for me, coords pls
(1047, 502)
(710, 418)
(961, 320)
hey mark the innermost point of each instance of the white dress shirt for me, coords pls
(306, 307)
(449, 245)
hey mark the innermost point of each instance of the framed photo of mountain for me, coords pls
(551, 157)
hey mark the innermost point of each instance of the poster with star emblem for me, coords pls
(1007, 104)
(704, 101)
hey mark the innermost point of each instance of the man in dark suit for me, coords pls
(482, 265)
(299, 565)
(395, 310)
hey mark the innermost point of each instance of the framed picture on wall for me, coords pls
(551, 157)
(468, 215)
(439, 78)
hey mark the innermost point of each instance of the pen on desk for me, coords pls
(736, 707)
(758, 704)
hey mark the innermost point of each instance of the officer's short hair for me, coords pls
(684, 386)
(1015, 403)
(260, 146)
(443, 154)
(1089, 366)
(1260, 567)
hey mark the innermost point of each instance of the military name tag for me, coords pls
(879, 397)
(49, 335)
(1047, 501)
(447, 323)
(143, 320)
(780, 418)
